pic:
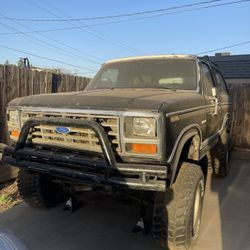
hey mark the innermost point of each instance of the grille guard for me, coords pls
(97, 172)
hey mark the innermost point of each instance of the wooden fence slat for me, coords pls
(36, 83)
(2, 91)
(49, 82)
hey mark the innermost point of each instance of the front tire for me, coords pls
(38, 190)
(177, 213)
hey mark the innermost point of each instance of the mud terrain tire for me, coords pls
(177, 213)
(38, 190)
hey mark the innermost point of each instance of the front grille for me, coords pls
(77, 138)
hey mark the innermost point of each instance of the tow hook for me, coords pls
(144, 222)
(71, 204)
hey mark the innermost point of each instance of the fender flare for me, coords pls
(186, 134)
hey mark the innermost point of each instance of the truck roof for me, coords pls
(152, 57)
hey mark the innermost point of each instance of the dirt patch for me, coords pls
(9, 196)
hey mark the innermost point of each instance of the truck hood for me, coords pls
(110, 99)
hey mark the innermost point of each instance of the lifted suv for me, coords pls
(150, 127)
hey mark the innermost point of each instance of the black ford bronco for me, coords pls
(150, 127)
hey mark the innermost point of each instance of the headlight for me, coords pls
(139, 127)
(140, 136)
(144, 127)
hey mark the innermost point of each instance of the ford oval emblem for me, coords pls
(62, 130)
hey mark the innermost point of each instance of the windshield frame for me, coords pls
(198, 75)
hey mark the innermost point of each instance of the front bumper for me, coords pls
(82, 168)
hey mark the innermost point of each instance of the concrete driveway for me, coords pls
(103, 223)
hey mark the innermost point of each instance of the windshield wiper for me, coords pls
(164, 87)
(171, 88)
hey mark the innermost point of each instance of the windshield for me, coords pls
(175, 74)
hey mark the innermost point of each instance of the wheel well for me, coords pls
(191, 149)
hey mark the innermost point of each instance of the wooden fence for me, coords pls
(240, 94)
(17, 82)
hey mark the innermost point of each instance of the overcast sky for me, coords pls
(85, 49)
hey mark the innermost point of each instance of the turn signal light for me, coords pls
(139, 148)
(15, 133)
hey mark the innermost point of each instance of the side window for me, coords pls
(220, 81)
(208, 81)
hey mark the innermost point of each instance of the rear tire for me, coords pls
(177, 213)
(38, 190)
(220, 155)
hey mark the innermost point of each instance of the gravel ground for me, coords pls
(9, 196)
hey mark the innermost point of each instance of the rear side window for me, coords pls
(207, 79)
(220, 82)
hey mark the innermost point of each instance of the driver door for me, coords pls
(212, 102)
